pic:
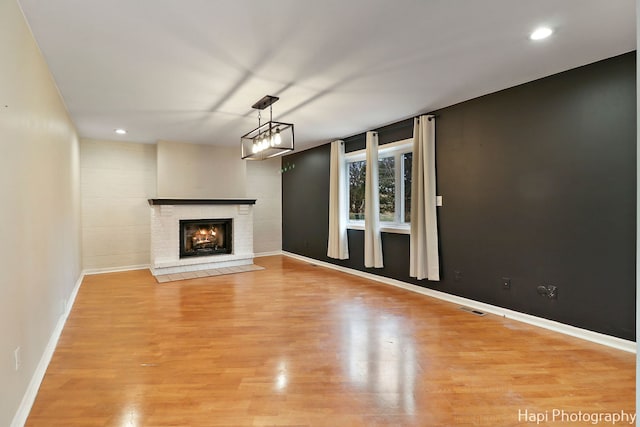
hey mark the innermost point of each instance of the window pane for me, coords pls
(387, 182)
(357, 171)
(406, 158)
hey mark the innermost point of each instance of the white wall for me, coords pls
(39, 208)
(192, 171)
(264, 183)
(637, 212)
(204, 171)
(117, 179)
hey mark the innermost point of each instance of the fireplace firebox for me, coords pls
(205, 237)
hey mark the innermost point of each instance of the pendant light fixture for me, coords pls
(269, 139)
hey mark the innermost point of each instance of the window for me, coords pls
(407, 158)
(394, 179)
(387, 191)
(357, 174)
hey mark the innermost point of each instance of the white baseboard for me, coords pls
(263, 254)
(90, 271)
(607, 340)
(20, 418)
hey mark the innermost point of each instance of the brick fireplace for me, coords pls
(200, 234)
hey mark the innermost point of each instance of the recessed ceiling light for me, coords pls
(541, 33)
(120, 131)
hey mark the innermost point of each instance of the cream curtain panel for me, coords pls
(424, 258)
(372, 238)
(338, 246)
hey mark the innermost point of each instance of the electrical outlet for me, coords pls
(18, 358)
(457, 275)
(506, 283)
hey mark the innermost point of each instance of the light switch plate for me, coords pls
(438, 200)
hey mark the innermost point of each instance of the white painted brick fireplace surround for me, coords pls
(165, 233)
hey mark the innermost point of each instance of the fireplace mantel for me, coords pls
(155, 202)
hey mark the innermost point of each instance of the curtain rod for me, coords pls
(408, 122)
(430, 117)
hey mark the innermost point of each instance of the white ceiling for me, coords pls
(189, 70)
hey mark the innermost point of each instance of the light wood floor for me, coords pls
(299, 345)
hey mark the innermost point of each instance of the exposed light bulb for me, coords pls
(258, 144)
(277, 139)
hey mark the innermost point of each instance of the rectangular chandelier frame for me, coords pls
(268, 140)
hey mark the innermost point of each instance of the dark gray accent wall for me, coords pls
(538, 184)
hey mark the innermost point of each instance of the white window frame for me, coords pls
(394, 149)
